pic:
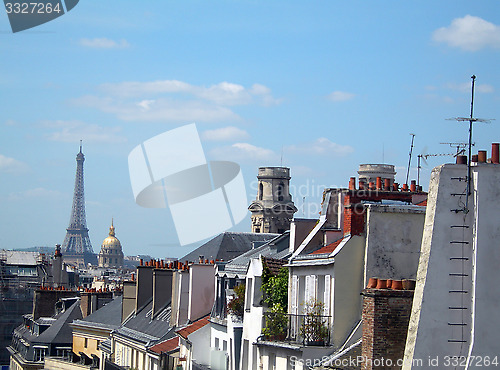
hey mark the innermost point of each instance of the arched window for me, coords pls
(280, 191)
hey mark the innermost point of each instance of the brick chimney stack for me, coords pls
(386, 314)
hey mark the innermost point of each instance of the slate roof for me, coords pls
(21, 258)
(59, 331)
(107, 317)
(227, 245)
(142, 328)
(276, 248)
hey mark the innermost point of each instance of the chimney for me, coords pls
(387, 184)
(162, 289)
(44, 301)
(144, 287)
(481, 156)
(92, 301)
(413, 186)
(494, 153)
(201, 291)
(474, 158)
(129, 292)
(352, 183)
(385, 317)
(404, 187)
(461, 159)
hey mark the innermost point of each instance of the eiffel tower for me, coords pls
(77, 241)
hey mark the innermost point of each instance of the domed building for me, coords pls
(111, 254)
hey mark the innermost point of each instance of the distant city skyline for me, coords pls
(318, 87)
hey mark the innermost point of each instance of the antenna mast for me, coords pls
(471, 120)
(409, 161)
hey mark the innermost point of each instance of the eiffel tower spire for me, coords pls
(77, 239)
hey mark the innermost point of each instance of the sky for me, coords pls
(317, 86)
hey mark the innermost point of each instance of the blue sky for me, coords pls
(317, 86)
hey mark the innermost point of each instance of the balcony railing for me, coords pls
(308, 330)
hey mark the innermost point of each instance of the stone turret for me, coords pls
(273, 209)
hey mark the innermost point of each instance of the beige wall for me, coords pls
(90, 349)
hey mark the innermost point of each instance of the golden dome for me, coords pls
(111, 242)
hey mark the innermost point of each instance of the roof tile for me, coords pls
(198, 324)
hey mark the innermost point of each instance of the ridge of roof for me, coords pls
(191, 328)
(327, 249)
(60, 331)
(166, 346)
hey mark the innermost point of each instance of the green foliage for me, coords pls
(276, 323)
(237, 305)
(275, 288)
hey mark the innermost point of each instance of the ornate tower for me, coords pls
(273, 209)
(77, 241)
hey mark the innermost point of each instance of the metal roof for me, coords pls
(227, 245)
(143, 328)
(107, 317)
(20, 258)
(277, 248)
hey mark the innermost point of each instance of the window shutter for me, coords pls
(326, 309)
(295, 289)
(307, 293)
(314, 287)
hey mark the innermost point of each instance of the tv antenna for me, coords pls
(460, 147)
(471, 120)
(409, 161)
(423, 157)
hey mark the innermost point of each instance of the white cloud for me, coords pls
(466, 87)
(73, 131)
(321, 147)
(146, 104)
(337, 96)
(223, 93)
(35, 193)
(245, 152)
(127, 89)
(162, 109)
(104, 43)
(469, 33)
(175, 101)
(10, 122)
(225, 134)
(11, 165)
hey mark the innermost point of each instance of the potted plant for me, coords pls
(314, 329)
(237, 304)
(276, 323)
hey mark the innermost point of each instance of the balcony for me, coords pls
(219, 313)
(307, 330)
